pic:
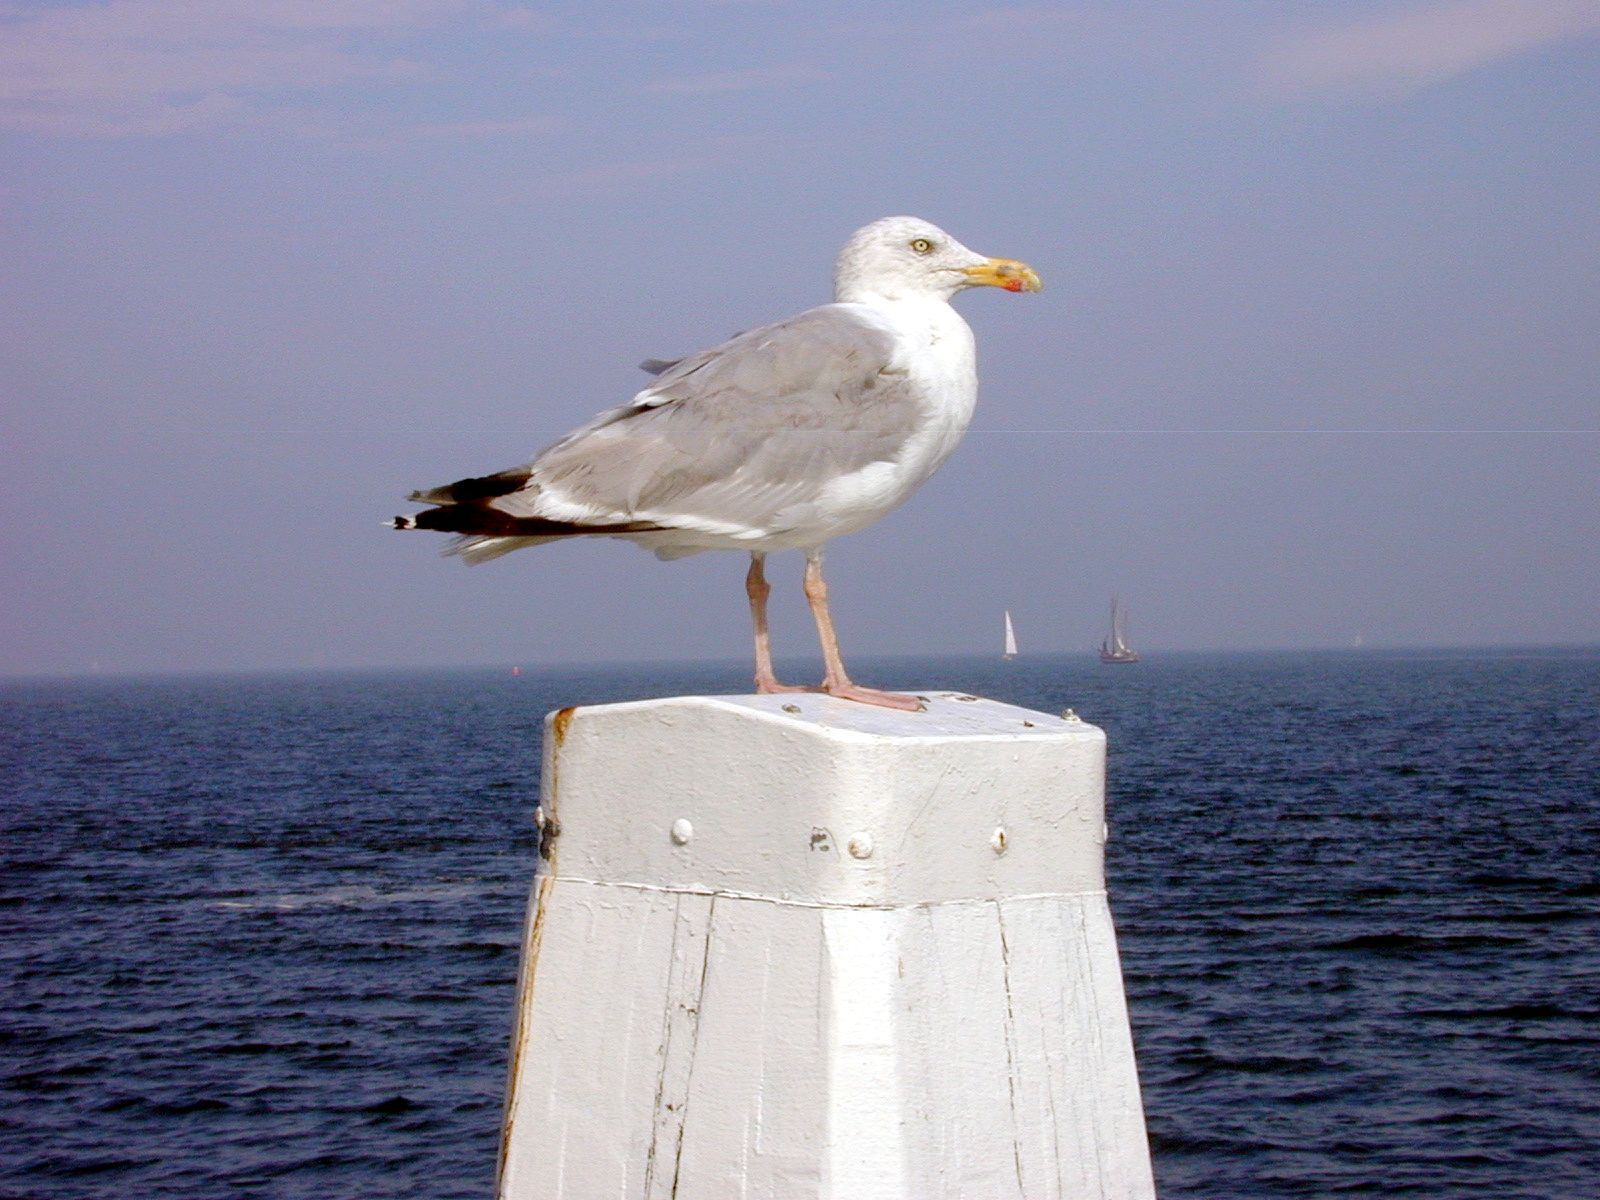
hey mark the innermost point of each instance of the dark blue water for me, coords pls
(260, 934)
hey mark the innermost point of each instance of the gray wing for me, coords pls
(741, 438)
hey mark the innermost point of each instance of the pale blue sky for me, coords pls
(1318, 354)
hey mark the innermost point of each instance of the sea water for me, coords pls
(261, 933)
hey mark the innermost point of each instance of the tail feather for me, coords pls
(479, 487)
(466, 508)
(480, 520)
(475, 550)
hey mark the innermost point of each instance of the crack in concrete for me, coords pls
(1011, 1048)
(694, 1045)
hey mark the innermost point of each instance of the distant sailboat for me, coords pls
(1115, 648)
(1011, 637)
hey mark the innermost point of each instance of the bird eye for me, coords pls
(921, 245)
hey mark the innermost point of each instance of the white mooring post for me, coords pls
(789, 947)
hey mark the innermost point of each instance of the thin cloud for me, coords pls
(746, 80)
(1420, 44)
(1026, 20)
(524, 20)
(538, 126)
(624, 177)
(152, 67)
(157, 118)
(606, 179)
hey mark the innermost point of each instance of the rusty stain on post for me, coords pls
(528, 971)
(560, 723)
(550, 828)
(526, 978)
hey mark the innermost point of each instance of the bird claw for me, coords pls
(866, 695)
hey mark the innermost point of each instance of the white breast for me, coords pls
(939, 359)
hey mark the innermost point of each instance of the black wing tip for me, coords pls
(475, 488)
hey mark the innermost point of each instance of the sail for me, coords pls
(1011, 637)
(1114, 647)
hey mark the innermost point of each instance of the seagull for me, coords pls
(783, 437)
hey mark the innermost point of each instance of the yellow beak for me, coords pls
(1005, 273)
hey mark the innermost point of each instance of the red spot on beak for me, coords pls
(1013, 285)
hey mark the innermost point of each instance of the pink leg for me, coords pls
(837, 683)
(758, 589)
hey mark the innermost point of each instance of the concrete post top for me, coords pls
(807, 799)
(947, 715)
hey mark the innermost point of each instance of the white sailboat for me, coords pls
(1114, 648)
(1011, 637)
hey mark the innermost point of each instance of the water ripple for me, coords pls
(261, 934)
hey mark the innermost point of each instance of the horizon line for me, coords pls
(1087, 655)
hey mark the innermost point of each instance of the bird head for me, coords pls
(906, 257)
